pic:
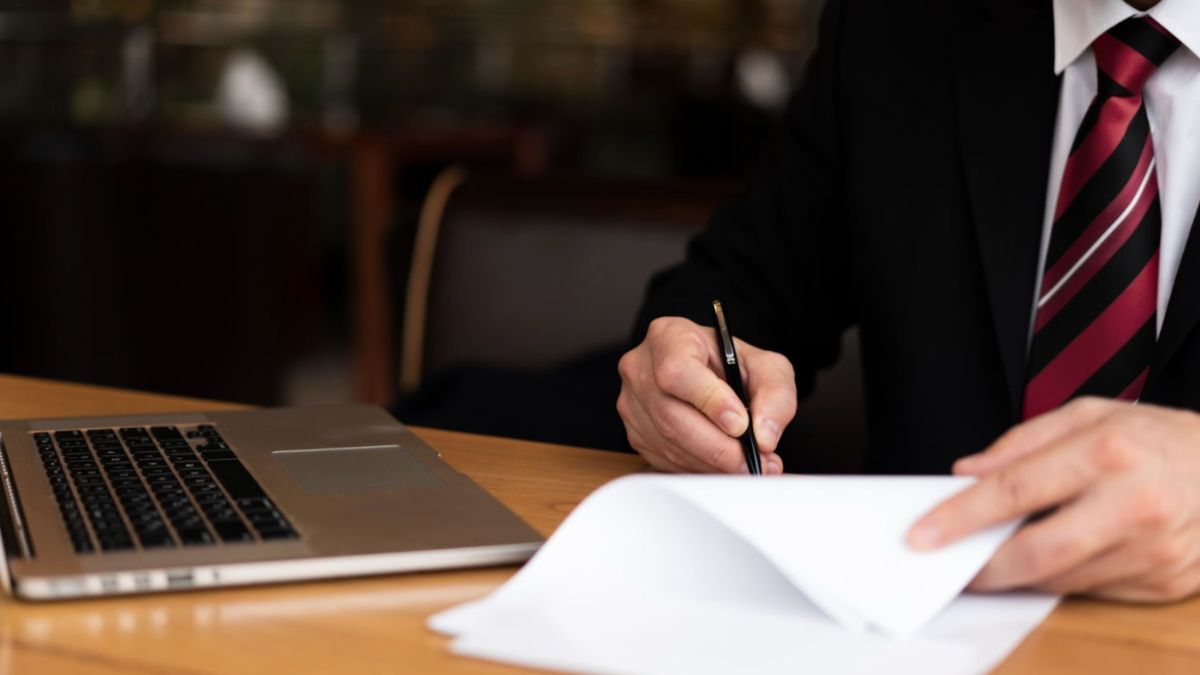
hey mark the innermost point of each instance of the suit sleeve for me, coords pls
(778, 256)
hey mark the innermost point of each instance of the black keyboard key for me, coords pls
(217, 455)
(277, 533)
(188, 523)
(156, 540)
(135, 509)
(41, 437)
(110, 525)
(209, 496)
(233, 532)
(61, 436)
(195, 536)
(122, 543)
(261, 520)
(101, 511)
(165, 432)
(182, 515)
(177, 444)
(221, 514)
(236, 479)
(146, 521)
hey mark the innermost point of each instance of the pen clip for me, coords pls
(726, 338)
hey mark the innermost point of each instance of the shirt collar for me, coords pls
(1077, 24)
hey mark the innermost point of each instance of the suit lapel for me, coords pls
(1008, 100)
(1183, 309)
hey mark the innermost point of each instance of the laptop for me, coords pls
(103, 506)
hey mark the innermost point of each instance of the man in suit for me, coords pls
(998, 193)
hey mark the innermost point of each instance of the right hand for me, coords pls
(679, 413)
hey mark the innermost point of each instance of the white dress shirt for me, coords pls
(1172, 103)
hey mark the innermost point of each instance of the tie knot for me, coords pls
(1130, 52)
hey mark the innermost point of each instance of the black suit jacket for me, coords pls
(906, 196)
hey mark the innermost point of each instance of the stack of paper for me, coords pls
(697, 574)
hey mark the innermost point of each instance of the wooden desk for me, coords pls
(378, 625)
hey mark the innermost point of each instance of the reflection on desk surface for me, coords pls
(218, 610)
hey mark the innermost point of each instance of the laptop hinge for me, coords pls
(13, 533)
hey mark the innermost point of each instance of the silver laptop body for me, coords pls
(197, 500)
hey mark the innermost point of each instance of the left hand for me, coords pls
(1124, 483)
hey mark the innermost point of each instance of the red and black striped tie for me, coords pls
(1095, 326)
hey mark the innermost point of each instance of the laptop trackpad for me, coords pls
(358, 469)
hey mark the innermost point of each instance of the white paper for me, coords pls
(696, 574)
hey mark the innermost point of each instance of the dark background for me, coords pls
(159, 237)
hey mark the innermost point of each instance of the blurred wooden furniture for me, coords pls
(376, 161)
(528, 272)
(378, 625)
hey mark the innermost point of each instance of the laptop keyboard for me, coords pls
(155, 488)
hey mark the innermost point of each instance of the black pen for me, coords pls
(733, 376)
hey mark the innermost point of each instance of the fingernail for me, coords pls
(733, 423)
(744, 470)
(771, 433)
(924, 537)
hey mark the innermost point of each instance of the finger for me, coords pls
(1056, 544)
(680, 365)
(771, 384)
(1028, 485)
(772, 464)
(1165, 587)
(1139, 560)
(1036, 434)
(660, 452)
(654, 459)
(637, 437)
(701, 442)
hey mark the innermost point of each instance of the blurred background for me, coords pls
(429, 204)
